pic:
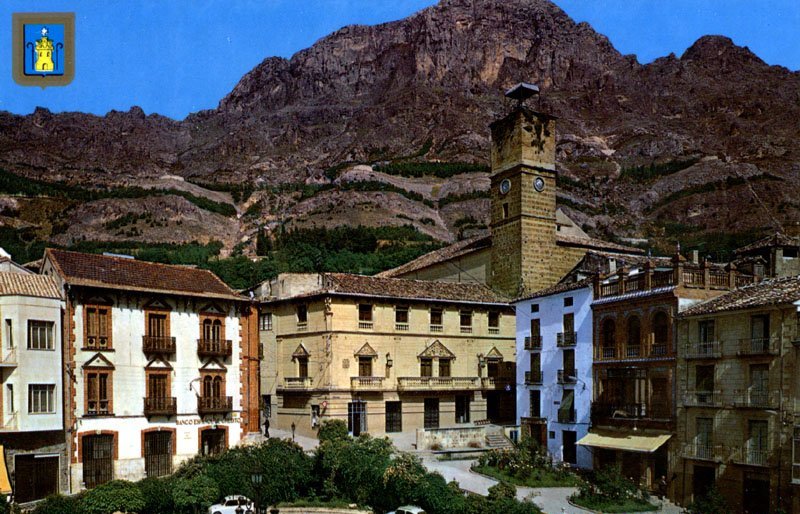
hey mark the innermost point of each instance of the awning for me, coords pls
(625, 441)
(5, 483)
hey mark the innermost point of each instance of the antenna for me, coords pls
(522, 92)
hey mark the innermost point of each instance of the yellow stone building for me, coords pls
(738, 416)
(386, 355)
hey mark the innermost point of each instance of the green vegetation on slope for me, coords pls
(656, 170)
(436, 169)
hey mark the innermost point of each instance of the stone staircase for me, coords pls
(497, 441)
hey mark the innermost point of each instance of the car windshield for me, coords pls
(233, 503)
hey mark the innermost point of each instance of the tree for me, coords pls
(711, 503)
(194, 494)
(58, 504)
(332, 430)
(117, 495)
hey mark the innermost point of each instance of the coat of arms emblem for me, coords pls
(44, 48)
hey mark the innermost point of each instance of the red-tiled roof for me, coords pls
(561, 287)
(92, 270)
(776, 291)
(776, 239)
(21, 284)
(404, 289)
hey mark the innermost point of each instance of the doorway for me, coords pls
(568, 439)
(212, 441)
(394, 417)
(357, 417)
(431, 413)
(98, 459)
(702, 481)
(755, 494)
(35, 477)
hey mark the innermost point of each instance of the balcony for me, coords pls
(566, 416)
(533, 342)
(703, 399)
(8, 358)
(709, 452)
(659, 350)
(160, 406)
(758, 346)
(365, 325)
(533, 378)
(751, 455)
(302, 326)
(297, 383)
(158, 344)
(401, 327)
(693, 276)
(704, 350)
(618, 410)
(495, 383)
(214, 404)
(605, 353)
(366, 383)
(756, 399)
(566, 339)
(437, 383)
(214, 347)
(633, 351)
(493, 331)
(567, 376)
(436, 328)
(466, 330)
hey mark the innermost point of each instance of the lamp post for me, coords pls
(293, 429)
(257, 478)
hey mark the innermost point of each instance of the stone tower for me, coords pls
(523, 217)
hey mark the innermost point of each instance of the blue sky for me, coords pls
(179, 56)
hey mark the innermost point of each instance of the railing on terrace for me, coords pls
(704, 350)
(214, 347)
(603, 353)
(160, 406)
(297, 382)
(495, 382)
(9, 357)
(565, 339)
(214, 404)
(703, 399)
(366, 383)
(758, 346)
(533, 342)
(533, 377)
(365, 325)
(158, 344)
(751, 455)
(437, 328)
(437, 383)
(401, 327)
(633, 350)
(699, 276)
(700, 451)
(756, 398)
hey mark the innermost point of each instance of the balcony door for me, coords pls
(158, 385)
(757, 443)
(704, 438)
(394, 417)
(357, 417)
(759, 384)
(157, 325)
(431, 418)
(365, 366)
(569, 363)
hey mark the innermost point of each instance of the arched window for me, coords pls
(608, 339)
(217, 387)
(207, 329)
(216, 330)
(660, 333)
(208, 389)
(634, 336)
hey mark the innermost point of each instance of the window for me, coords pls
(759, 385)
(568, 301)
(40, 335)
(660, 333)
(704, 384)
(41, 398)
(706, 331)
(436, 319)
(365, 366)
(364, 312)
(568, 322)
(302, 367)
(98, 392)
(265, 321)
(566, 411)
(494, 319)
(302, 313)
(213, 385)
(394, 417)
(505, 210)
(444, 367)
(536, 328)
(158, 385)
(157, 325)
(9, 335)
(10, 397)
(704, 438)
(212, 329)
(462, 408)
(569, 363)
(759, 328)
(634, 336)
(401, 315)
(796, 456)
(466, 321)
(98, 326)
(534, 308)
(426, 367)
(535, 397)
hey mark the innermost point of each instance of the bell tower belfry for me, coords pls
(523, 197)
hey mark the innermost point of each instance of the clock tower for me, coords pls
(523, 194)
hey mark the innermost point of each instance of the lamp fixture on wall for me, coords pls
(389, 360)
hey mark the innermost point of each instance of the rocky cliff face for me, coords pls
(712, 126)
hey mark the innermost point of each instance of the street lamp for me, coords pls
(293, 428)
(257, 478)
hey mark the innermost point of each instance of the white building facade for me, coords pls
(158, 366)
(554, 369)
(31, 407)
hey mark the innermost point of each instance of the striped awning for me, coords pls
(5, 483)
(625, 441)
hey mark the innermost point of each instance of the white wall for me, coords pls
(22, 366)
(551, 311)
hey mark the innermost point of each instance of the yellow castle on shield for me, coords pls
(44, 53)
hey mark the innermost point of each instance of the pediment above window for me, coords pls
(366, 351)
(300, 352)
(494, 354)
(98, 361)
(437, 349)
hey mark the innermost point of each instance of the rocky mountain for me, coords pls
(646, 151)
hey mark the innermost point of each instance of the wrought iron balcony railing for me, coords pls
(214, 347)
(214, 404)
(160, 406)
(158, 344)
(566, 339)
(533, 377)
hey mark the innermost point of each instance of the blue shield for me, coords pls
(43, 49)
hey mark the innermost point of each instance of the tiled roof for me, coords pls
(776, 291)
(92, 270)
(400, 288)
(441, 255)
(22, 284)
(776, 239)
(485, 241)
(561, 287)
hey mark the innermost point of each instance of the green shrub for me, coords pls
(157, 494)
(117, 495)
(58, 504)
(712, 503)
(353, 468)
(502, 490)
(437, 169)
(194, 494)
(332, 430)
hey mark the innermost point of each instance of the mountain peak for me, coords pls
(716, 48)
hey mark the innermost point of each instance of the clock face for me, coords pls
(538, 184)
(505, 186)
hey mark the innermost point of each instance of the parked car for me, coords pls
(407, 509)
(229, 504)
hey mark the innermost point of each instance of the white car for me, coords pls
(230, 503)
(407, 509)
